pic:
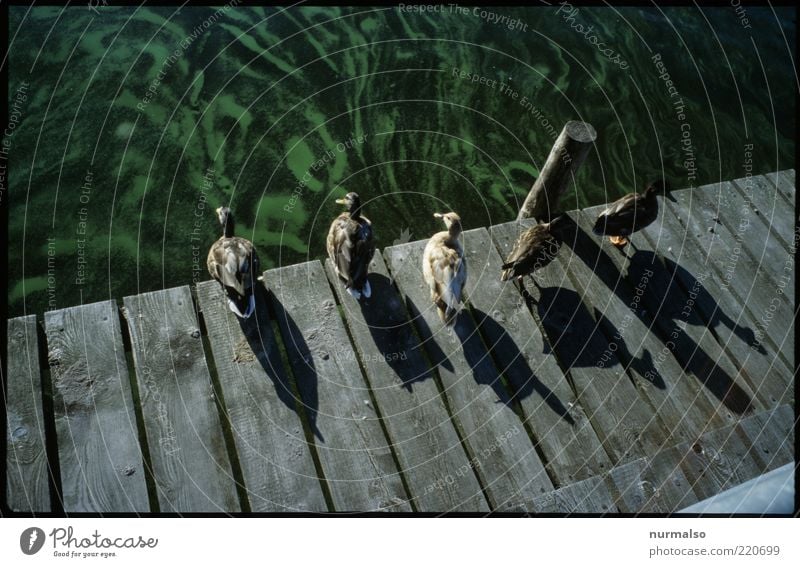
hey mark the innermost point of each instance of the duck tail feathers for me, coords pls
(237, 309)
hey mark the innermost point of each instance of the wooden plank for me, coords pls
(721, 201)
(355, 455)
(590, 496)
(740, 276)
(190, 462)
(570, 447)
(786, 183)
(100, 458)
(764, 370)
(28, 470)
(682, 333)
(503, 454)
(438, 472)
(654, 485)
(763, 200)
(626, 426)
(718, 461)
(772, 436)
(681, 404)
(276, 462)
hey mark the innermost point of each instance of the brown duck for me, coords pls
(444, 268)
(233, 262)
(351, 245)
(629, 214)
(534, 249)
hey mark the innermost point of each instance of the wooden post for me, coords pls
(568, 153)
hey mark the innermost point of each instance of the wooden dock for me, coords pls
(620, 382)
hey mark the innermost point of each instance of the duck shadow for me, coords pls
(518, 372)
(673, 304)
(578, 338)
(393, 333)
(716, 316)
(300, 358)
(645, 267)
(478, 358)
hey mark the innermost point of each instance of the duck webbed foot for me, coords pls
(618, 241)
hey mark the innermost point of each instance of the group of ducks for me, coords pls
(233, 261)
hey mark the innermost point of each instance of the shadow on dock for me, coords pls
(298, 352)
(515, 367)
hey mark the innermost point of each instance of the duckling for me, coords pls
(351, 245)
(534, 249)
(445, 268)
(233, 262)
(630, 213)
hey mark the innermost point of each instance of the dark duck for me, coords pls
(631, 213)
(535, 248)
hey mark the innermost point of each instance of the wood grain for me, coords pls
(100, 457)
(191, 467)
(28, 471)
(439, 473)
(500, 449)
(276, 461)
(355, 455)
(549, 407)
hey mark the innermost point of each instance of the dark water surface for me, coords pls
(132, 125)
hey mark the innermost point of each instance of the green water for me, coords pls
(132, 125)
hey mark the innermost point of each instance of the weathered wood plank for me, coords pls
(590, 496)
(740, 276)
(762, 198)
(501, 451)
(570, 447)
(683, 334)
(356, 457)
(786, 183)
(769, 253)
(764, 370)
(717, 461)
(276, 462)
(625, 424)
(771, 434)
(28, 470)
(438, 471)
(100, 457)
(682, 405)
(654, 485)
(191, 467)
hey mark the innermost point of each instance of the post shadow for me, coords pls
(517, 370)
(297, 351)
(393, 335)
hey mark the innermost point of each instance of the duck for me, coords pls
(444, 268)
(534, 249)
(351, 245)
(629, 214)
(233, 262)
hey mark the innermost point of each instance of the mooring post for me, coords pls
(568, 153)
